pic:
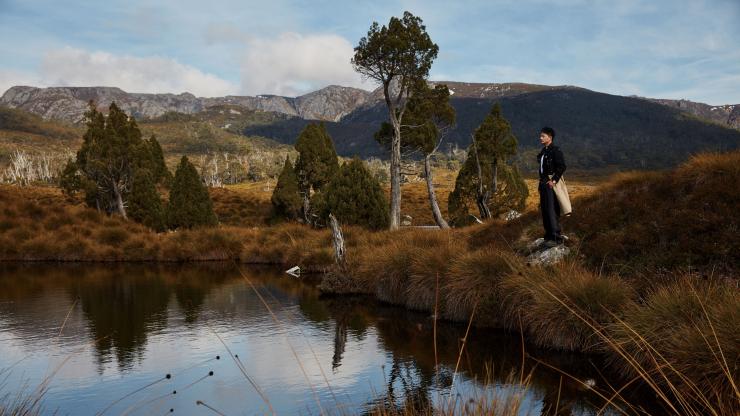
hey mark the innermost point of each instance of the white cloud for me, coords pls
(77, 67)
(292, 64)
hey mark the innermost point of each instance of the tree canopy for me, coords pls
(428, 115)
(317, 159)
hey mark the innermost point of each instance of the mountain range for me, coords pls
(331, 103)
(597, 130)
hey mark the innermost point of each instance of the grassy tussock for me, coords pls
(430, 270)
(685, 337)
(475, 283)
(561, 306)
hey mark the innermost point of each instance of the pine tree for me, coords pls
(189, 205)
(153, 160)
(487, 178)
(286, 198)
(144, 204)
(354, 196)
(317, 162)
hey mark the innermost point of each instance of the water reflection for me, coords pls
(143, 321)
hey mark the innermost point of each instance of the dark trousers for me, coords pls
(550, 210)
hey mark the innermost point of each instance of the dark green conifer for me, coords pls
(145, 206)
(317, 161)
(354, 196)
(189, 205)
(488, 179)
(154, 159)
(286, 197)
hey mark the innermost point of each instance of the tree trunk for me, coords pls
(482, 201)
(395, 173)
(494, 176)
(119, 200)
(432, 195)
(395, 211)
(338, 239)
(306, 207)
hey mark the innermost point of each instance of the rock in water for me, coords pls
(548, 256)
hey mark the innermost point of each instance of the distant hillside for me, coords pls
(211, 137)
(23, 131)
(595, 130)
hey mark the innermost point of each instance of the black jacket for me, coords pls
(553, 164)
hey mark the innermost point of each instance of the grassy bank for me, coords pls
(651, 283)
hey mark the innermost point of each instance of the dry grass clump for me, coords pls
(474, 283)
(668, 220)
(386, 270)
(685, 339)
(429, 270)
(564, 306)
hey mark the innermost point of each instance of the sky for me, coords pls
(678, 49)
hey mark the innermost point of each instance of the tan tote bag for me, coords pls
(561, 194)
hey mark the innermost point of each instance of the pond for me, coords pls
(103, 338)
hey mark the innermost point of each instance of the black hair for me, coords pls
(549, 131)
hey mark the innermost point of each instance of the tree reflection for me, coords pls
(121, 308)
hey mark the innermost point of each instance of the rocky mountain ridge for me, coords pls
(331, 103)
(70, 103)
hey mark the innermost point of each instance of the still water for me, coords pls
(105, 337)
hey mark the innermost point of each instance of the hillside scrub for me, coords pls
(682, 218)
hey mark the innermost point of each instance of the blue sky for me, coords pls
(661, 48)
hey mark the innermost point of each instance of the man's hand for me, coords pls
(550, 183)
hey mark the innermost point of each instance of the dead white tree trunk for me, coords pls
(120, 206)
(436, 213)
(338, 239)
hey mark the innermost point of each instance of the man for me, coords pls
(551, 167)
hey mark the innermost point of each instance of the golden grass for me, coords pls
(685, 337)
(654, 221)
(543, 301)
